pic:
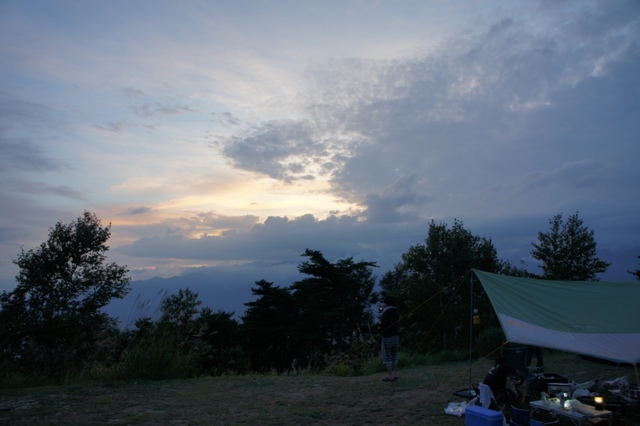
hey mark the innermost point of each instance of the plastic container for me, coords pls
(478, 416)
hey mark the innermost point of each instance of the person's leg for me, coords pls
(387, 359)
(394, 357)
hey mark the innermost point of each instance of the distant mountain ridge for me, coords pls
(221, 289)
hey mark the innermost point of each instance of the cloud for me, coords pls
(227, 119)
(276, 239)
(501, 117)
(132, 211)
(448, 120)
(111, 127)
(20, 149)
(41, 188)
(20, 154)
(132, 93)
(157, 109)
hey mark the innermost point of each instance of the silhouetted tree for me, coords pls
(333, 303)
(431, 285)
(267, 328)
(52, 318)
(568, 251)
(179, 313)
(222, 350)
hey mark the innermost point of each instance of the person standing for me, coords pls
(389, 326)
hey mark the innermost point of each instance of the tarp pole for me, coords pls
(470, 330)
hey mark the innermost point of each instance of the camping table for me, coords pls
(580, 412)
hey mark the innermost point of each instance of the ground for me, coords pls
(418, 397)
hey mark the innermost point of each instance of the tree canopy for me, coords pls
(429, 288)
(53, 321)
(324, 313)
(54, 313)
(568, 251)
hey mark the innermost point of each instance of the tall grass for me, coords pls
(373, 364)
(155, 359)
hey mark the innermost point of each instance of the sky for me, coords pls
(221, 139)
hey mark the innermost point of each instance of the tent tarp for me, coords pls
(596, 318)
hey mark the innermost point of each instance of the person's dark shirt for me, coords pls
(497, 377)
(389, 322)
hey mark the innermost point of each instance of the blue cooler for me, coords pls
(478, 416)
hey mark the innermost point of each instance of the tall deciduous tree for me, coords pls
(568, 251)
(432, 296)
(52, 317)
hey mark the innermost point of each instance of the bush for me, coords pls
(17, 380)
(340, 370)
(372, 365)
(156, 359)
(100, 373)
(232, 360)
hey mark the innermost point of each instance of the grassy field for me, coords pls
(418, 397)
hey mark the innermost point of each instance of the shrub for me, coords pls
(100, 373)
(17, 380)
(156, 359)
(340, 370)
(372, 365)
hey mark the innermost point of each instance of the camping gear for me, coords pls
(519, 416)
(564, 315)
(540, 383)
(478, 416)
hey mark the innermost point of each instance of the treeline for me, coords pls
(52, 325)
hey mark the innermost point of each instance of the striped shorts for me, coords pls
(390, 349)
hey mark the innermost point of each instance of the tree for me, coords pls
(51, 319)
(267, 327)
(432, 296)
(220, 334)
(636, 273)
(332, 303)
(568, 251)
(179, 312)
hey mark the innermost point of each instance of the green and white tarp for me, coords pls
(596, 318)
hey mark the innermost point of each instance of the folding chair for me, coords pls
(488, 400)
(520, 416)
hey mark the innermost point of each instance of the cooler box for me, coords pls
(478, 416)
